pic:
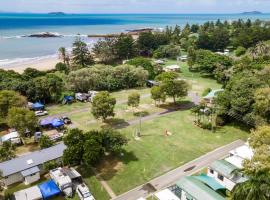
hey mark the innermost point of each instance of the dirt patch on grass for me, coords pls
(109, 167)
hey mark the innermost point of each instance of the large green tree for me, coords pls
(22, 119)
(125, 47)
(103, 106)
(81, 55)
(158, 94)
(7, 151)
(74, 141)
(175, 88)
(8, 100)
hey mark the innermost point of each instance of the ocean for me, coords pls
(14, 48)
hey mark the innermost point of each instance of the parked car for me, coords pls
(84, 193)
(83, 97)
(41, 113)
(66, 120)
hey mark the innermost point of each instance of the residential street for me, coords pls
(173, 176)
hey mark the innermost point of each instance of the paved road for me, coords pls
(173, 176)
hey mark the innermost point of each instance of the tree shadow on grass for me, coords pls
(112, 164)
(141, 114)
(180, 105)
(115, 123)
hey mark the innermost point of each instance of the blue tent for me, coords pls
(46, 122)
(68, 98)
(56, 123)
(37, 106)
(49, 189)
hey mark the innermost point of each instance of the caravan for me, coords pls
(62, 180)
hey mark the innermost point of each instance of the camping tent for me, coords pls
(37, 106)
(68, 99)
(46, 121)
(49, 189)
(56, 123)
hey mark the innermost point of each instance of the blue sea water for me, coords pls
(15, 48)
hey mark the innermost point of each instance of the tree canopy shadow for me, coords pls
(114, 163)
(115, 123)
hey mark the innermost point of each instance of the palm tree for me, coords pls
(257, 187)
(63, 54)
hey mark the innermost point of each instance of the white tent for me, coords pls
(32, 193)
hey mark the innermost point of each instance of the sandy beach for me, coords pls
(40, 64)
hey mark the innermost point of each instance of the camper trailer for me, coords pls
(62, 180)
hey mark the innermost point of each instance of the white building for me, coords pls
(27, 168)
(239, 155)
(224, 173)
(166, 195)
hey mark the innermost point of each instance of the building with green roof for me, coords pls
(225, 174)
(199, 188)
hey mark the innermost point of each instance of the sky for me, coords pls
(135, 6)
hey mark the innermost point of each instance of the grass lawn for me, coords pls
(156, 154)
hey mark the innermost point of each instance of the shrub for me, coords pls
(240, 51)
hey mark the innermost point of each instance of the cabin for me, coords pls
(29, 167)
(199, 187)
(239, 155)
(225, 174)
(210, 97)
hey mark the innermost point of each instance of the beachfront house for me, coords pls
(198, 188)
(172, 68)
(29, 167)
(239, 155)
(210, 97)
(225, 174)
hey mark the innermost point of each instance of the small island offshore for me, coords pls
(252, 13)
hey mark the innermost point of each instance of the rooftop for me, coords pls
(197, 189)
(32, 159)
(244, 152)
(213, 94)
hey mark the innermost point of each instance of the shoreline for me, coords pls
(41, 64)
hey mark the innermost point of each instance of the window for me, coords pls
(211, 171)
(220, 177)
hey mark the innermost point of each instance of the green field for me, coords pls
(156, 154)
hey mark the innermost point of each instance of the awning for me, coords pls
(30, 171)
(32, 193)
(57, 123)
(37, 106)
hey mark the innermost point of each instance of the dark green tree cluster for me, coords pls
(245, 97)
(88, 148)
(35, 85)
(257, 170)
(7, 151)
(102, 77)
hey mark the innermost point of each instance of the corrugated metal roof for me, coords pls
(211, 182)
(32, 159)
(30, 171)
(223, 167)
(197, 189)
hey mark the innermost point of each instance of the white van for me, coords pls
(84, 193)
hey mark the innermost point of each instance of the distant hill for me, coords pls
(56, 13)
(252, 13)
